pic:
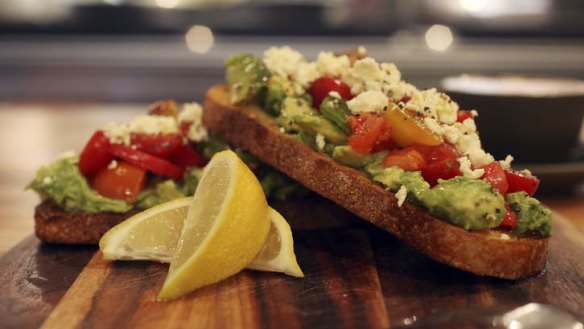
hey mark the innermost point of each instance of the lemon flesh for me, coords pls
(226, 225)
(277, 254)
(149, 235)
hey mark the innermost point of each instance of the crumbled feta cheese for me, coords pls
(504, 236)
(433, 104)
(320, 143)
(112, 165)
(305, 74)
(67, 154)
(283, 61)
(146, 124)
(466, 169)
(506, 164)
(193, 113)
(369, 101)
(47, 180)
(334, 94)
(365, 75)
(282, 130)
(401, 195)
(329, 64)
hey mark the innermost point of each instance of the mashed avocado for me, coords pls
(469, 203)
(532, 216)
(472, 204)
(62, 182)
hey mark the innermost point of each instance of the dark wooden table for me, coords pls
(356, 275)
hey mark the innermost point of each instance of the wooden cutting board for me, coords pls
(356, 277)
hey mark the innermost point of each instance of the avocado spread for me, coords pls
(464, 200)
(62, 182)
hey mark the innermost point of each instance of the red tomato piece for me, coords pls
(495, 175)
(123, 182)
(441, 162)
(321, 87)
(408, 159)
(521, 182)
(404, 99)
(160, 145)
(510, 218)
(187, 156)
(369, 132)
(445, 169)
(147, 161)
(95, 154)
(462, 115)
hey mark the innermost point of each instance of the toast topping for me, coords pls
(362, 114)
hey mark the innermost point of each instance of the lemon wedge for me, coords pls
(153, 234)
(226, 225)
(148, 235)
(277, 253)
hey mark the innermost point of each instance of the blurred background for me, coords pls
(141, 50)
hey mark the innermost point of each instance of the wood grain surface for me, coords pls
(356, 277)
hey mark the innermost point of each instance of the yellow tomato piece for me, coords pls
(407, 130)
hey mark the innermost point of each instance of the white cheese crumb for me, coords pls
(506, 164)
(365, 75)
(283, 61)
(193, 113)
(320, 143)
(146, 124)
(47, 180)
(467, 171)
(433, 104)
(334, 94)
(282, 130)
(401, 195)
(504, 236)
(112, 165)
(329, 64)
(369, 101)
(67, 154)
(305, 74)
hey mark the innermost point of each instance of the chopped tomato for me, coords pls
(187, 156)
(408, 159)
(321, 88)
(368, 132)
(521, 182)
(510, 218)
(495, 175)
(123, 181)
(407, 129)
(404, 99)
(160, 145)
(441, 162)
(147, 161)
(462, 115)
(184, 127)
(165, 108)
(95, 154)
(445, 169)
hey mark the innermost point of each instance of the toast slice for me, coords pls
(54, 225)
(486, 252)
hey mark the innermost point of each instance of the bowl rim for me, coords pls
(449, 85)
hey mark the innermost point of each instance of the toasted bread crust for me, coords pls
(54, 225)
(486, 253)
